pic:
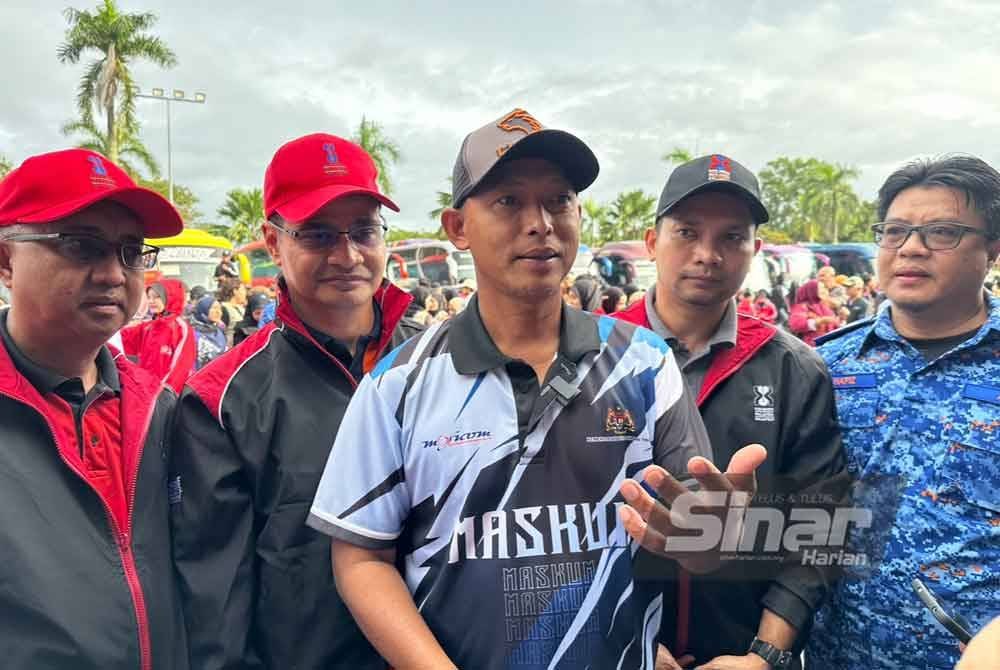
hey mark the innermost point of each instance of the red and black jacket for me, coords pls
(165, 345)
(78, 588)
(253, 433)
(769, 389)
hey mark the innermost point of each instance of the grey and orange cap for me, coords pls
(519, 135)
(712, 173)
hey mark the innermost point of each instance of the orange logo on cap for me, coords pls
(515, 119)
(518, 120)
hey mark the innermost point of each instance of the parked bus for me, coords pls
(437, 261)
(192, 257)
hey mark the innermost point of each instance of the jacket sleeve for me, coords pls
(132, 337)
(812, 473)
(182, 361)
(212, 519)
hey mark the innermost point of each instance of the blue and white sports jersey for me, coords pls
(510, 537)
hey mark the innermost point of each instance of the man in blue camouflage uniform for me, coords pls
(918, 397)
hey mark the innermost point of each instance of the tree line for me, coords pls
(809, 199)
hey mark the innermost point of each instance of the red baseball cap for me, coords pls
(309, 172)
(52, 186)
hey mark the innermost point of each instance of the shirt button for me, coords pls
(94, 439)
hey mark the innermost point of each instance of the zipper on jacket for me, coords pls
(122, 540)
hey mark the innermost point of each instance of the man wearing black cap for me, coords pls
(754, 383)
(490, 455)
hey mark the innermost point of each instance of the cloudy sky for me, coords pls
(869, 83)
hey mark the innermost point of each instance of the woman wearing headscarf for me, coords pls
(810, 316)
(210, 332)
(589, 292)
(247, 326)
(163, 345)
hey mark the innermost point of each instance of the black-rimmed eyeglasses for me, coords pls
(938, 236)
(363, 236)
(90, 249)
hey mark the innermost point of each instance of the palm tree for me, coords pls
(107, 84)
(129, 146)
(383, 150)
(245, 209)
(443, 201)
(595, 216)
(632, 212)
(829, 190)
(678, 156)
(5, 166)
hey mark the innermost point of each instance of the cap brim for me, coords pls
(301, 208)
(573, 157)
(155, 213)
(757, 209)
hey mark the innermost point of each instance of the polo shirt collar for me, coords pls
(724, 334)
(47, 381)
(883, 328)
(473, 350)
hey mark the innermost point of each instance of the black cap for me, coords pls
(715, 172)
(519, 135)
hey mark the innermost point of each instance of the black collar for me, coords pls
(47, 381)
(473, 350)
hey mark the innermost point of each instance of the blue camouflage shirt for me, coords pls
(922, 439)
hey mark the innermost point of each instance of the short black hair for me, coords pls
(972, 176)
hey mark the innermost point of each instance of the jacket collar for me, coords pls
(392, 300)
(473, 350)
(881, 327)
(47, 381)
(751, 335)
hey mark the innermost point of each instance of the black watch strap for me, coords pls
(779, 659)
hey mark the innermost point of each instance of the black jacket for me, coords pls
(253, 433)
(77, 590)
(773, 390)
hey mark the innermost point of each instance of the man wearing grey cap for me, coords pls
(753, 383)
(490, 455)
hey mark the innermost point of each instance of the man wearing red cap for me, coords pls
(256, 425)
(84, 519)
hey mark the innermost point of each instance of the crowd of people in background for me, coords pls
(178, 331)
(217, 527)
(818, 306)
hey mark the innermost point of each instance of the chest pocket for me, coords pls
(857, 399)
(971, 465)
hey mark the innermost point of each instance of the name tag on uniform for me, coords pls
(984, 393)
(854, 381)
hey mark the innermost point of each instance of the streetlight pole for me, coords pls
(177, 96)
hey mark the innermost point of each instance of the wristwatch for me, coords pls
(778, 659)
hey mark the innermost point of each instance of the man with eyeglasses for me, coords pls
(84, 521)
(918, 399)
(255, 426)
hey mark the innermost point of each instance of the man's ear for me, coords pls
(993, 250)
(6, 264)
(757, 244)
(271, 242)
(650, 238)
(453, 223)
